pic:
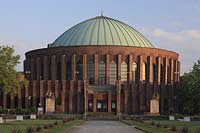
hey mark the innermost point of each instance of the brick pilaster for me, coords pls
(125, 99)
(79, 97)
(34, 94)
(63, 96)
(19, 96)
(84, 66)
(53, 68)
(73, 67)
(26, 94)
(4, 100)
(110, 101)
(38, 68)
(71, 96)
(96, 62)
(12, 101)
(63, 67)
(94, 103)
(42, 92)
(45, 68)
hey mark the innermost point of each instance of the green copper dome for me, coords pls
(104, 31)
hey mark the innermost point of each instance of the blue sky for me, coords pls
(169, 24)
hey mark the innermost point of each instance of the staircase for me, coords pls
(102, 116)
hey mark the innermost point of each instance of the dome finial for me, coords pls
(101, 13)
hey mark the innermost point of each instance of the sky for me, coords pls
(171, 24)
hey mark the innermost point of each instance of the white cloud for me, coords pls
(186, 43)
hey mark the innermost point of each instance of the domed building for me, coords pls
(101, 65)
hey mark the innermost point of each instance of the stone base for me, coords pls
(151, 114)
(19, 118)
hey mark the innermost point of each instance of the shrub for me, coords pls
(12, 111)
(173, 128)
(152, 123)
(158, 125)
(19, 111)
(38, 129)
(29, 130)
(165, 126)
(50, 125)
(33, 110)
(185, 130)
(197, 130)
(4, 110)
(45, 126)
(14, 130)
(171, 111)
(56, 123)
(27, 111)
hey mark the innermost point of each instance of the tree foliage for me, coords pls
(8, 74)
(188, 92)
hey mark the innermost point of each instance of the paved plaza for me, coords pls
(104, 127)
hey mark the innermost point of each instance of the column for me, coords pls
(150, 65)
(12, 101)
(141, 68)
(53, 68)
(73, 67)
(175, 70)
(42, 92)
(84, 66)
(171, 71)
(94, 103)
(63, 67)
(26, 94)
(63, 96)
(45, 68)
(118, 96)
(158, 61)
(96, 62)
(134, 99)
(119, 61)
(110, 101)
(34, 94)
(125, 99)
(4, 100)
(19, 96)
(38, 68)
(107, 68)
(71, 95)
(33, 69)
(165, 70)
(179, 66)
(130, 78)
(48, 86)
(79, 98)
(56, 91)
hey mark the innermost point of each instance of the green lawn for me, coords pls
(23, 125)
(193, 126)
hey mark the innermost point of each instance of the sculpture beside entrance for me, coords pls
(50, 102)
(154, 104)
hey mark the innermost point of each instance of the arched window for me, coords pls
(102, 71)
(124, 71)
(79, 70)
(90, 70)
(143, 71)
(134, 70)
(113, 72)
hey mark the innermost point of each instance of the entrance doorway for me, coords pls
(102, 106)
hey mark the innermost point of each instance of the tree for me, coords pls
(8, 74)
(188, 92)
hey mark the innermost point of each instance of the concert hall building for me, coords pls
(99, 65)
